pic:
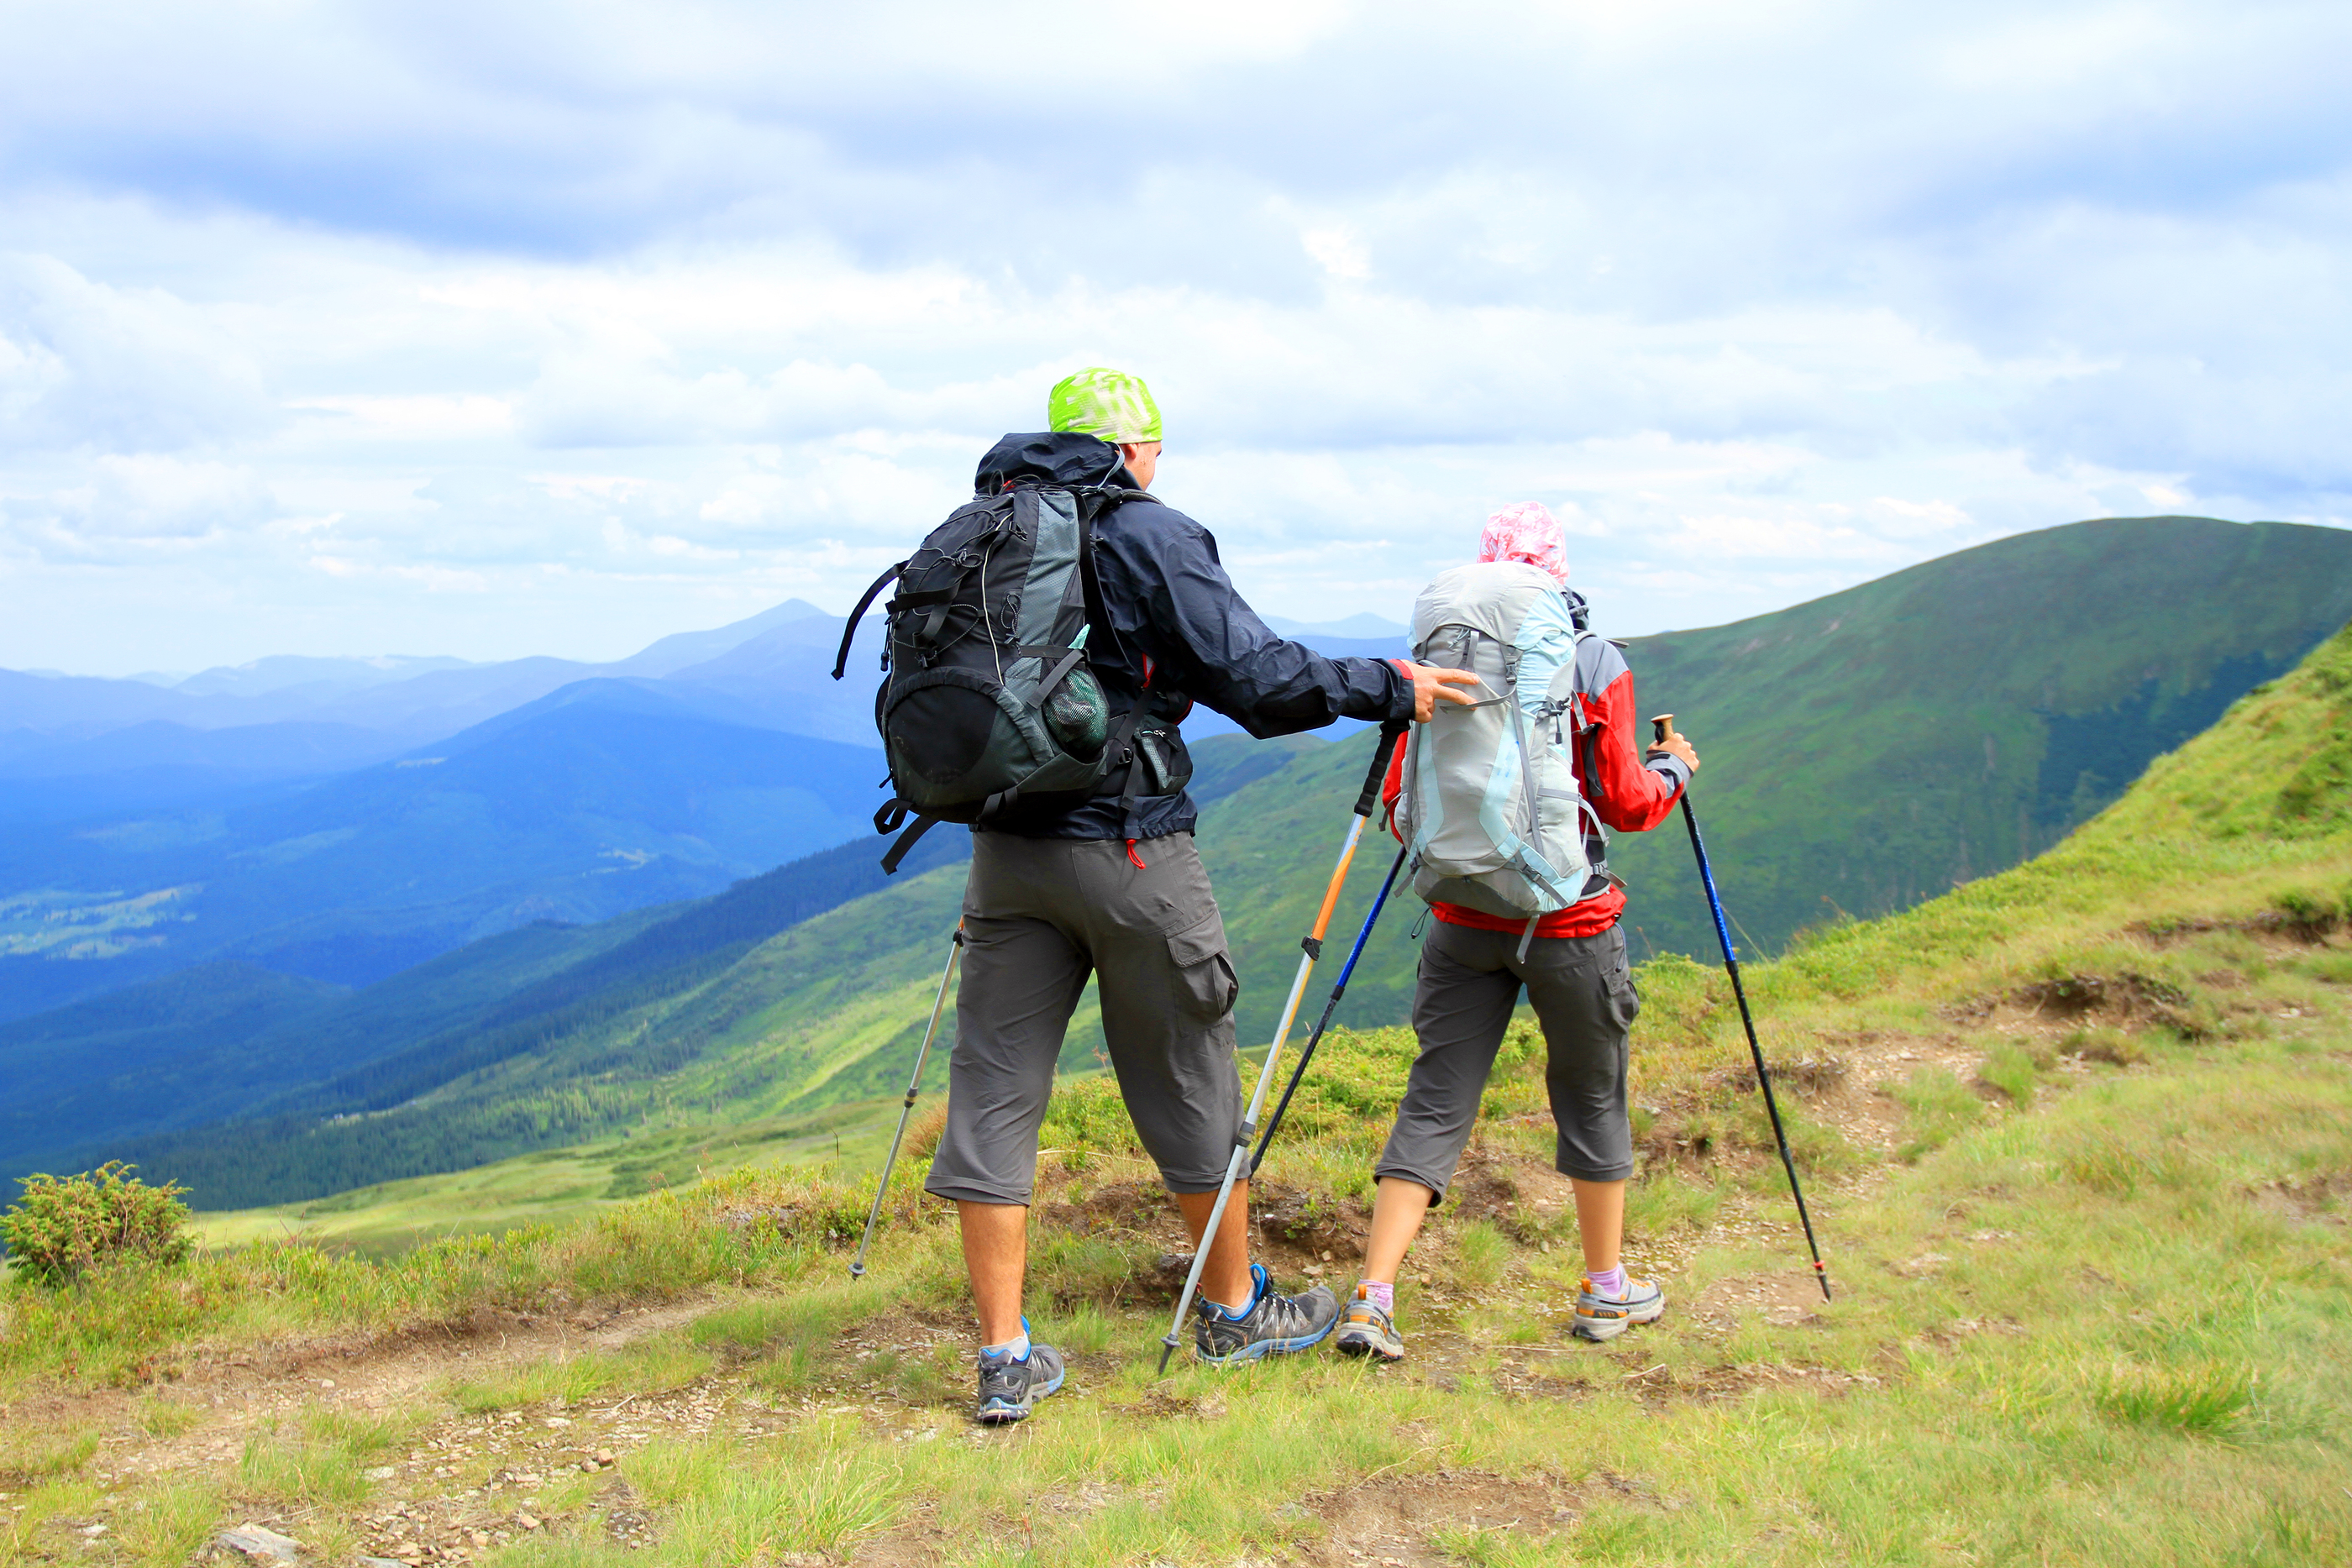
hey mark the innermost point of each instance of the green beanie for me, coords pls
(1110, 405)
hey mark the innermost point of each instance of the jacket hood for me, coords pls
(1049, 458)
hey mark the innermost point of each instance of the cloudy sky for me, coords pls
(495, 329)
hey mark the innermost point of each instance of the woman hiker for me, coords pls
(1573, 967)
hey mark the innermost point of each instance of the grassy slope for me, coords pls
(2088, 1312)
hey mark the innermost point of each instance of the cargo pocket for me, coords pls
(1207, 986)
(1624, 1000)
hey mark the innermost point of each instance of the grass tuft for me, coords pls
(2205, 1400)
(1481, 1253)
(1939, 1107)
(2011, 1069)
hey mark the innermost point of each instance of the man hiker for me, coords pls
(1571, 963)
(1109, 884)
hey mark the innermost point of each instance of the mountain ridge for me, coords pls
(1844, 739)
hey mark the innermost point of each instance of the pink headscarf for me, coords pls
(1527, 532)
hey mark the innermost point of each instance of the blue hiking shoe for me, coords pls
(1010, 1389)
(1274, 1325)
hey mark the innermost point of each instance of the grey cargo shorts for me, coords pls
(1584, 997)
(1039, 916)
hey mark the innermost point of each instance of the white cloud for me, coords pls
(130, 506)
(83, 364)
(517, 331)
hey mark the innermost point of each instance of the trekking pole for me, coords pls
(1664, 727)
(938, 1004)
(1312, 948)
(1274, 1122)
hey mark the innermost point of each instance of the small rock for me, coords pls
(378, 1473)
(259, 1544)
(605, 1456)
(589, 1465)
(326, 1383)
(558, 1421)
(93, 1531)
(527, 1521)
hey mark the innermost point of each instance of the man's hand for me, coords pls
(1430, 683)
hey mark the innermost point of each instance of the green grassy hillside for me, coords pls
(1876, 747)
(2078, 1137)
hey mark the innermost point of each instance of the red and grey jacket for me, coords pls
(1626, 793)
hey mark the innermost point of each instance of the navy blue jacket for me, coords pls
(1169, 625)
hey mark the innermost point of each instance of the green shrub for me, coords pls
(62, 1227)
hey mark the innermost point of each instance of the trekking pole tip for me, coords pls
(858, 1270)
(1167, 1349)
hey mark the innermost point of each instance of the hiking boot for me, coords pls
(1600, 1318)
(1366, 1329)
(1010, 1389)
(1274, 1325)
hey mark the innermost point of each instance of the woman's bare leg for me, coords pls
(1600, 1222)
(1397, 1214)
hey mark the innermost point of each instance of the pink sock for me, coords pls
(1382, 1296)
(1608, 1282)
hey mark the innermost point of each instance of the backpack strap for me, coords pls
(897, 850)
(1124, 738)
(840, 660)
(1106, 498)
(1103, 499)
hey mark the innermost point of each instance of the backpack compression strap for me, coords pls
(897, 851)
(840, 660)
(888, 818)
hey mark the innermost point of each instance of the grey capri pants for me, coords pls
(1583, 995)
(1039, 917)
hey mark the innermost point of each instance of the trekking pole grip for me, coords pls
(1661, 729)
(1369, 801)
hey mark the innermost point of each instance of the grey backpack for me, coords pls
(1492, 809)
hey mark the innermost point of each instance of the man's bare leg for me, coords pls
(1225, 1280)
(996, 1256)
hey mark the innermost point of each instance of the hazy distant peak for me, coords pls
(280, 671)
(681, 650)
(1363, 625)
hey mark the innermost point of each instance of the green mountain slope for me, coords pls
(1872, 749)
(556, 1033)
(1862, 751)
(2208, 833)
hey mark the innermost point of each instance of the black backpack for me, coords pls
(986, 695)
